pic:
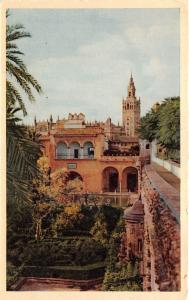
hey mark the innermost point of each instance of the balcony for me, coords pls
(119, 158)
(80, 157)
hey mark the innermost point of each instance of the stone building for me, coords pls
(102, 154)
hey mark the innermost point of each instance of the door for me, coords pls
(76, 153)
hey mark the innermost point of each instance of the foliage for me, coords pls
(149, 125)
(13, 274)
(105, 221)
(111, 216)
(74, 186)
(124, 278)
(163, 124)
(22, 155)
(68, 219)
(54, 185)
(22, 152)
(169, 124)
(17, 70)
(118, 276)
(74, 252)
(99, 232)
(87, 272)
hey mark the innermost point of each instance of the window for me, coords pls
(88, 150)
(76, 153)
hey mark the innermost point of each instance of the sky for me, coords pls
(83, 59)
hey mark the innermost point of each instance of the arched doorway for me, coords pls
(110, 179)
(73, 175)
(130, 179)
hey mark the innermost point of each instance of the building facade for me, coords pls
(104, 155)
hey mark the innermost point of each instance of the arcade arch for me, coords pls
(75, 150)
(130, 179)
(61, 150)
(88, 150)
(110, 179)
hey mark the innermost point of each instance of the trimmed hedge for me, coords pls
(87, 272)
(69, 251)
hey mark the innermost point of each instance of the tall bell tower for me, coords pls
(131, 111)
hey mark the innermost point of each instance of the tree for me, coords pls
(169, 124)
(99, 231)
(149, 126)
(163, 124)
(22, 152)
(22, 155)
(69, 219)
(74, 187)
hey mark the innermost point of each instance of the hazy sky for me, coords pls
(83, 58)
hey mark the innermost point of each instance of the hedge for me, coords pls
(79, 251)
(87, 272)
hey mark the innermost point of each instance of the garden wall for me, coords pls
(174, 168)
(161, 242)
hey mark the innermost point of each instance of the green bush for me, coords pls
(67, 272)
(78, 251)
(13, 274)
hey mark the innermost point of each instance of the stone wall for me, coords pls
(161, 258)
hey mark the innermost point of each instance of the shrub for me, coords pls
(75, 251)
(67, 272)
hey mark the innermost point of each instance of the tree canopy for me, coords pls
(163, 124)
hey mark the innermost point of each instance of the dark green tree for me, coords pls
(149, 126)
(163, 124)
(169, 124)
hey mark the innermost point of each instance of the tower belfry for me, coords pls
(131, 110)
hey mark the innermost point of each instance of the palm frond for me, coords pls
(17, 69)
(14, 97)
(19, 62)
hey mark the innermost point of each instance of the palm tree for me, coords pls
(22, 152)
(17, 70)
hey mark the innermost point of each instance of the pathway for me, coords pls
(167, 176)
(159, 180)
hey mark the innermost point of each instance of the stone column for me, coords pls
(81, 153)
(120, 186)
(69, 153)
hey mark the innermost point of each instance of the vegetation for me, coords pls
(65, 251)
(163, 124)
(22, 152)
(119, 276)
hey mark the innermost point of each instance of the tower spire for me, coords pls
(131, 87)
(131, 77)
